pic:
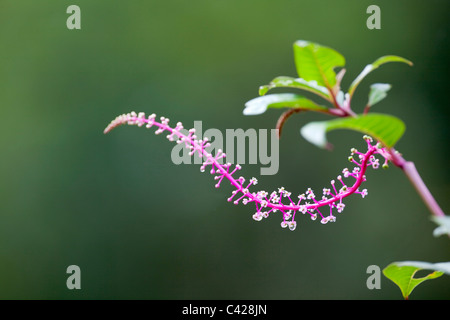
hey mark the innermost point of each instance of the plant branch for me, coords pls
(285, 115)
(366, 109)
(282, 119)
(414, 177)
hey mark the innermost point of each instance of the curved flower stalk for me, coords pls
(277, 201)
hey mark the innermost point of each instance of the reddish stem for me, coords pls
(414, 177)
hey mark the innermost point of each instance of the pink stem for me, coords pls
(414, 177)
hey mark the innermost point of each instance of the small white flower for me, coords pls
(292, 225)
(364, 193)
(275, 199)
(375, 163)
(340, 207)
(257, 216)
(311, 195)
(261, 194)
(287, 215)
(346, 173)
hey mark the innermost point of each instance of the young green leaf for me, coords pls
(443, 225)
(384, 128)
(299, 83)
(378, 91)
(281, 100)
(317, 62)
(402, 274)
(370, 67)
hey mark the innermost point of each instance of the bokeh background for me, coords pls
(140, 227)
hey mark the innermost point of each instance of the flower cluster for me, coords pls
(307, 203)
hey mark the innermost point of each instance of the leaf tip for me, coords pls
(314, 132)
(263, 90)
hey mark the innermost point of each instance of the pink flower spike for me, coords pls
(275, 202)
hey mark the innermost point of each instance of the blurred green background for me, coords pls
(141, 227)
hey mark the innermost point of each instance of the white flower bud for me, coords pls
(292, 225)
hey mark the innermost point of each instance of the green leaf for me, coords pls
(281, 100)
(390, 58)
(443, 225)
(402, 274)
(378, 91)
(384, 128)
(317, 62)
(370, 67)
(299, 83)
